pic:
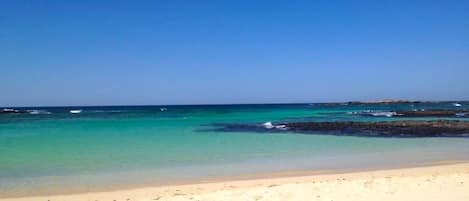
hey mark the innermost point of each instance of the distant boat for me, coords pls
(457, 105)
(163, 109)
(75, 111)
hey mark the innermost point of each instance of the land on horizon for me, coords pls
(372, 101)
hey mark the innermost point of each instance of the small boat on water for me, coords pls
(75, 111)
(457, 105)
(163, 109)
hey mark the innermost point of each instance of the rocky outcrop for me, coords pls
(411, 128)
(440, 128)
(9, 111)
(12, 111)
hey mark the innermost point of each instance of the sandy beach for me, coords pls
(430, 183)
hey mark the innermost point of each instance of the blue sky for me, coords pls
(215, 52)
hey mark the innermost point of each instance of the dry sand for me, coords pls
(432, 183)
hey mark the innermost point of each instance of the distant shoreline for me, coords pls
(385, 101)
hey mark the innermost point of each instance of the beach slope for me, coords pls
(430, 183)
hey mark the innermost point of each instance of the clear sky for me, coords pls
(206, 52)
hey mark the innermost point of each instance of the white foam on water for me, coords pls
(38, 112)
(268, 125)
(75, 111)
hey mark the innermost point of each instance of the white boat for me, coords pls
(457, 105)
(75, 111)
(163, 109)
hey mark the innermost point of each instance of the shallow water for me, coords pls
(139, 145)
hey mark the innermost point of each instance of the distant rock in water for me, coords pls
(10, 111)
(438, 128)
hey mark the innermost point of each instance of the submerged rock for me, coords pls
(438, 128)
(410, 128)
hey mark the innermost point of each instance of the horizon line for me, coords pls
(215, 104)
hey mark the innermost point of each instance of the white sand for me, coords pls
(433, 183)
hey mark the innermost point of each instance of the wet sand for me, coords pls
(430, 183)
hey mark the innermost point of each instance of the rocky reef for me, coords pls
(409, 128)
(10, 111)
(438, 128)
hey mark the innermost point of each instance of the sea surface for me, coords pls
(50, 150)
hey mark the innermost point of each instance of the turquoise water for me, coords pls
(117, 147)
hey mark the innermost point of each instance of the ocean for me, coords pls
(50, 150)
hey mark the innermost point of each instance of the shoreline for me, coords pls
(280, 181)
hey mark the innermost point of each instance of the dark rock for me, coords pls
(410, 128)
(9, 111)
(12, 111)
(439, 128)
